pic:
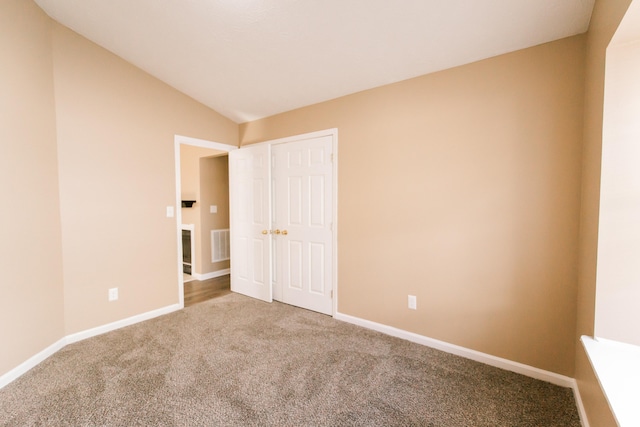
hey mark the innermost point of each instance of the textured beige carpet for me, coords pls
(234, 361)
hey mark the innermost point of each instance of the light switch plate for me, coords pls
(213, 209)
(413, 303)
(170, 212)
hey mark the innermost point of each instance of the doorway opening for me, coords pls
(195, 159)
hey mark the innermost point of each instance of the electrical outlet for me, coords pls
(113, 294)
(413, 302)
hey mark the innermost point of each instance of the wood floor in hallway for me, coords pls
(197, 291)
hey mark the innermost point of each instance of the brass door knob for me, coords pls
(285, 232)
(265, 232)
(277, 231)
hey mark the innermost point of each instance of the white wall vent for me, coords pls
(220, 245)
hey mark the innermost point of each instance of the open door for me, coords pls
(250, 221)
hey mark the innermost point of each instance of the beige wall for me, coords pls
(190, 190)
(214, 190)
(606, 17)
(31, 292)
(462, 188)
(87, 170)
(459, 187)
(202, 181)
(190, 180)
(116, 127)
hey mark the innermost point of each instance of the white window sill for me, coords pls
(617, 366)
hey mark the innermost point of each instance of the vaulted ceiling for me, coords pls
(249, 59)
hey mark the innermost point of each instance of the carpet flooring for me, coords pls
(235, 361)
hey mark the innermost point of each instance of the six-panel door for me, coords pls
(281, 203)
(250, 220)
(302, 220)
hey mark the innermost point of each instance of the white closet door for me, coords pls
(303, 216)
(250, 220)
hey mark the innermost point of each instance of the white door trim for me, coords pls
(204, 143)
(333, 132)
(177, 141)
(327, 132)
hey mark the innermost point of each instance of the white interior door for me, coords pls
(303, 217)
(250, 221)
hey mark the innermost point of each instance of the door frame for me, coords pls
(178, 141)
(333, 132)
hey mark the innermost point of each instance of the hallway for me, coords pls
(197, 291)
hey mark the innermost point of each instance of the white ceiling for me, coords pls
(249, 59)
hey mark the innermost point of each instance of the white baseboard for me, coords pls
(498, 362)
(99, 330)
(32, 362)
(581, 411)
(211, 275)
(488, 359)
(79, 336)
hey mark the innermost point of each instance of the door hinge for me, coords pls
(331, 293)
(331, 157)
